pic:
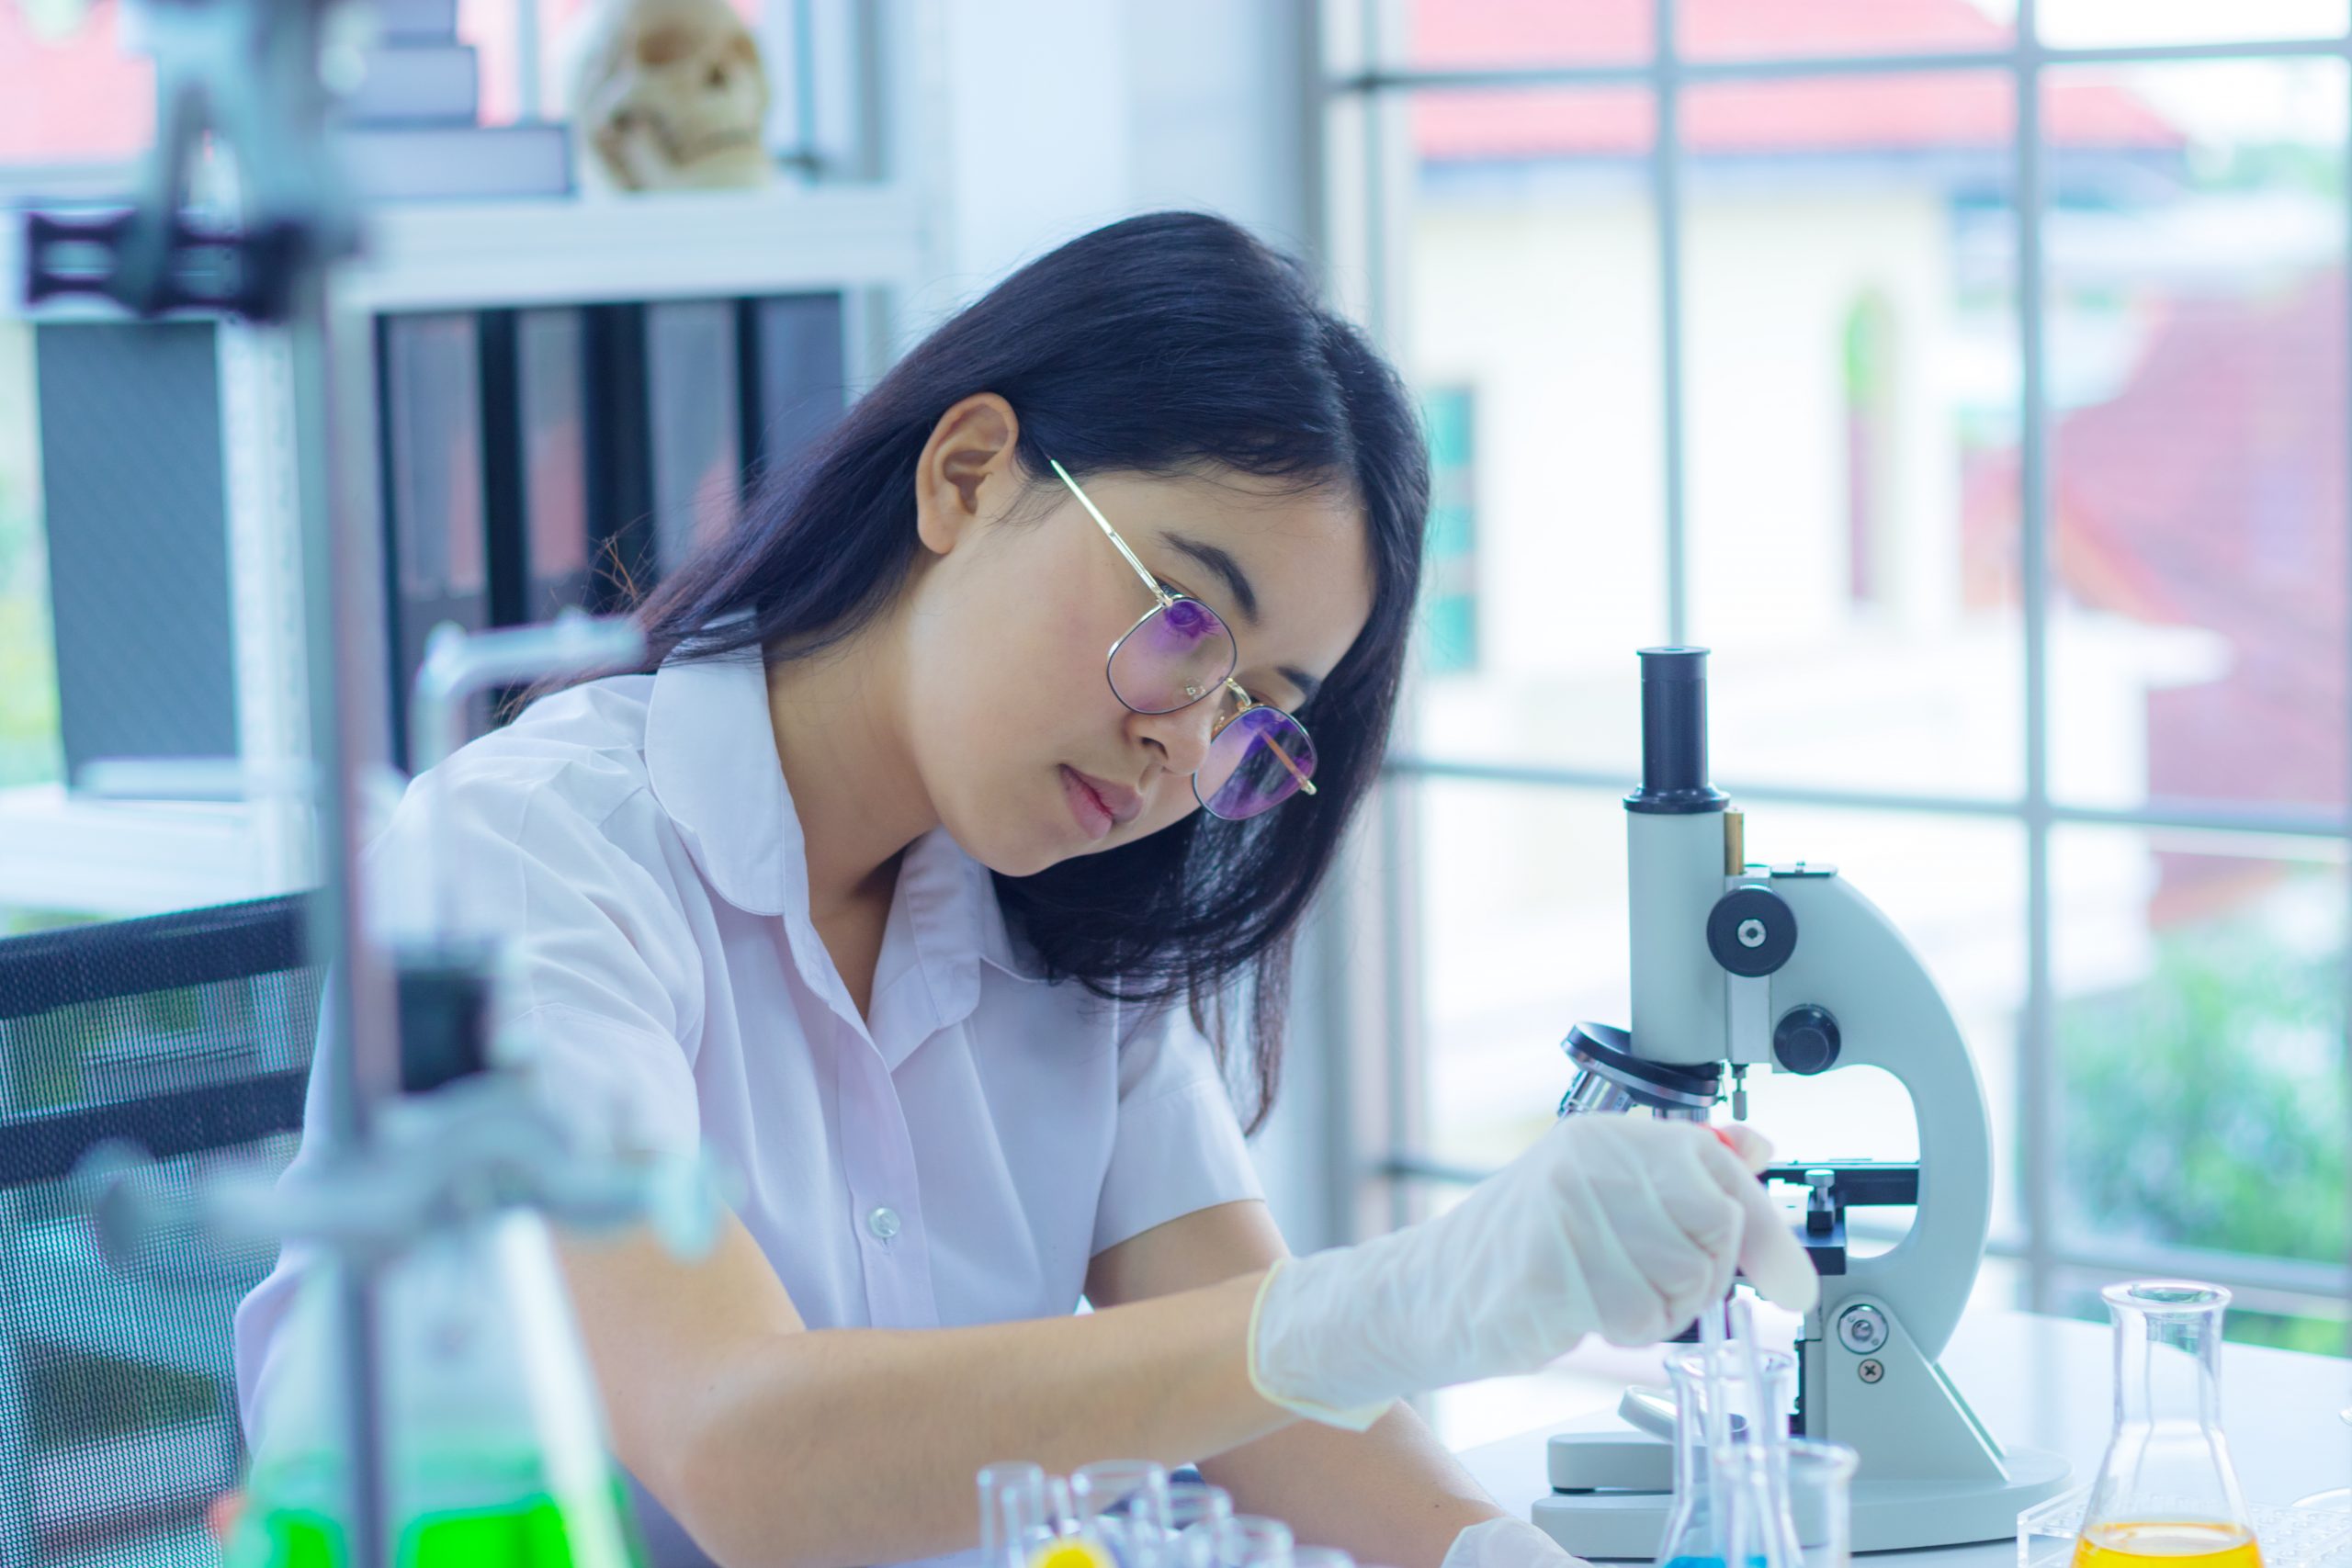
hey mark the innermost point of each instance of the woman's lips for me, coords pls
(1094, 817)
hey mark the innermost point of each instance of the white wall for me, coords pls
(1035, 120)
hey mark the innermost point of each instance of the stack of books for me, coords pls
(412, 130)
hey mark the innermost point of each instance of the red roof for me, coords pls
(1912, 111)
(71, 100)
(2211, 491)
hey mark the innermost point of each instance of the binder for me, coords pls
(551, 408)
(696, 411)
(437, 566)
(795, 382)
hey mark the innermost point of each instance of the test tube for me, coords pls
(1012, 1512)
(1124, 1505)
(1249, 1540)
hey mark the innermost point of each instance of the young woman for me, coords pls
(883, 884)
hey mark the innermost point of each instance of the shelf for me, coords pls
(571, 250)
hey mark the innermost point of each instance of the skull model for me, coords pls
(668, 95)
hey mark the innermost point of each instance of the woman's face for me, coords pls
(1013, 722)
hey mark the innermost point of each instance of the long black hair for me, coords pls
(1156, 344)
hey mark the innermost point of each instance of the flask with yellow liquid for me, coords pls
(2166, 1496)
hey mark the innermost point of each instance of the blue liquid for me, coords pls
(1756, 1562)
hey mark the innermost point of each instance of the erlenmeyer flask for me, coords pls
(1700, 1531)
(497, 1442)
(2166, 1496)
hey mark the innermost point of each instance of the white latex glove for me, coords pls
(1508, 1543)
(1616, 1226)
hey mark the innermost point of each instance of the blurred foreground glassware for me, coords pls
(1124, 1505)
(2166, 1495)
(497, 1451)
(1744, 1417)
(1013, 1521)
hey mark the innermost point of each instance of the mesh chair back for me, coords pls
(189, 1034)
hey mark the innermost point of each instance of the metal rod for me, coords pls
(2038, 1070)
(2344, 995)
(2278, 821)
(530, 91)
(1636, 73)
(345, 725)
(1667, 196)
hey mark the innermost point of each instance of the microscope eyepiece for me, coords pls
(1674, 735)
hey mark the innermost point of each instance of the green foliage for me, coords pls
(30, 749)
(2206, 1108)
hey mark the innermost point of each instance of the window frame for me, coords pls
(1367, 201)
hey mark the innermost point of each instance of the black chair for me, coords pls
(188, 1035)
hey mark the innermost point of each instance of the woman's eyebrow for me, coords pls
(1228, 570)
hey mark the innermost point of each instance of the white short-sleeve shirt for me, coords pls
(955, 1158)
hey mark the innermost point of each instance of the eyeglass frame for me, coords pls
(1167, 600)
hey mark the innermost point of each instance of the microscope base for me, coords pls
(1888, 1516)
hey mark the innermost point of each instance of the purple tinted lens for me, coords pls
(1171, 658)
(1256, 762)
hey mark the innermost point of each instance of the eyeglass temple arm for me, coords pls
(1111, 534)
(1248, 701)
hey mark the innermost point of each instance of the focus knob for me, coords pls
(1805, 1040)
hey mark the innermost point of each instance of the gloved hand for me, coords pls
(1614, 1226)
(1508, 1543)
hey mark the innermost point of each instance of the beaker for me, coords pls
(2166, 1493)
(494, 1438)
(1013, 1513)
(1699, 1532)
(1247, 1540)
(1813, 1484)
(1196, 1508)
(1124, 1504)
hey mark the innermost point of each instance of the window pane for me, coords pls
(1717, 30)
(2087, 24)
(2201, 1037)
(1533, 329)
(1521, 912)
(1442, 34)
(72, 94)
(2196, 370)
(2313, 1325)
(29, 752)
(1849, 299)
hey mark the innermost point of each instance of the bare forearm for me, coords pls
(1391, 1494)
(832, 1446)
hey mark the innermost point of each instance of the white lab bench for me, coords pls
(2048, 1383)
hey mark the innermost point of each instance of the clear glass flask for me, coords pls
(1701, 1531)
(2166, 1496)
(497, 1452)
(1014, 1520)
(1124, 1505)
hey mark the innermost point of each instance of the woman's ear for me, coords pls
(967, 467)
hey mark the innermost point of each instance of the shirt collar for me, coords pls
(710, 757)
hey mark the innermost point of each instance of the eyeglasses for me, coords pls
(1180, 652)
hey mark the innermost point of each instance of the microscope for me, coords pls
(1788, 969)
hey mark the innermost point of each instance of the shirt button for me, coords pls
(883, 1222)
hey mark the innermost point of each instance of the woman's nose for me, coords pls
(1182, 737)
